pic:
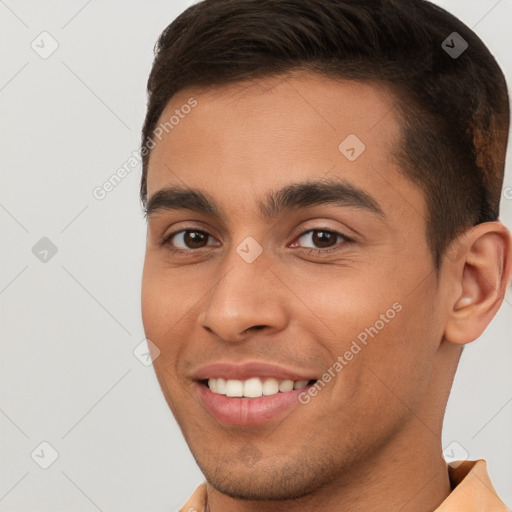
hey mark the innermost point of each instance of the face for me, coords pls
(299, 278)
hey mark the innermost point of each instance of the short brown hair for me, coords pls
(454, 112)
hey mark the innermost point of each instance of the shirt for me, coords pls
(472, 491)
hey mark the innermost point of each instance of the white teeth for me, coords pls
(286, 385)
(221, 386)
(299, 384)
(234, 388)
(254, 387)
(270, 387)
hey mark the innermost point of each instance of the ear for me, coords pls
(479, 272)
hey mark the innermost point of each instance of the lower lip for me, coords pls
(247, 411)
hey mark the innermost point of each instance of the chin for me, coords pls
(259, 487)
(264, 480)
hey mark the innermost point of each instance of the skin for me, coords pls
(371, 439)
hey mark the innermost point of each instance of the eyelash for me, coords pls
(166, 240)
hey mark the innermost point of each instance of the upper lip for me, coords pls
(247, 370)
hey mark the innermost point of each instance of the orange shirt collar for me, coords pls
(472, 489)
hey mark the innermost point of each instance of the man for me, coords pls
(322, 182)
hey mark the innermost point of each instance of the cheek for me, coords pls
(350, 309)
(151, 302)
(158, 303)
(169, 305)
(383, 334)
(158, 307)
(397, 363)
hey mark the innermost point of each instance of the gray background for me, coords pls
(71, 322)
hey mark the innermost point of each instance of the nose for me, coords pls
(248, 297)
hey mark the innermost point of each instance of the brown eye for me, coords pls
(188, 239)
(324, 238)
(321, 239)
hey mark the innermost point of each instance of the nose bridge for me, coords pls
(245, 294)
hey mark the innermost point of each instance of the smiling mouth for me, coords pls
(254, 387)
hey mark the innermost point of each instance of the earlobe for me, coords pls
(481, 277)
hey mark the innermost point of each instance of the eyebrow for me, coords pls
(291, 197)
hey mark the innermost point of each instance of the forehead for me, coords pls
(279, 110)
(245, 137)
